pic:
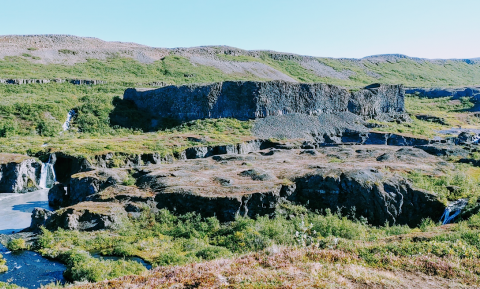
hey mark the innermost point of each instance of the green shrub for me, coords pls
(49, 127)
(124, 249)
(16, 244)
(81, 266)
(4, 285)
(426, 224)
(129, 181)
(67, 51)
(213, 252)
(338, 226)
(3, 265)
(171, 258)
(8, 127)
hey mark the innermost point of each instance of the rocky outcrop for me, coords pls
(377, 196)
(57, 196)
(86, 184)
(445, 150)
(255, 184)
(86, 81)
(27, 81)
(251, 100)
(431, 118)
(19, 173)
(87, 216)
(44, 81)
(472, 92)
(349, 180)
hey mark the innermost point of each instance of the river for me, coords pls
(27, 269)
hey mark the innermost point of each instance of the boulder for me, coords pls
(466, 137)
(257, 175)
(87, 216)
(83, 185)
(39, 218)
(57, 196)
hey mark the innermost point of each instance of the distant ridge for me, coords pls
(236, 64)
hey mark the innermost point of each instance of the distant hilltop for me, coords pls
(237, 63)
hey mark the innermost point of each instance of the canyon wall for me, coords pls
(250, 100)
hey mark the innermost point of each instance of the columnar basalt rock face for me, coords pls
(473, 92)
(251, 100)
(18, 173)
(378, 99)
(44, 81)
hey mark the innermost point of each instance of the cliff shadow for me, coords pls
(126, 114)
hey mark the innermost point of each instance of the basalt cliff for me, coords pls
(252, 100)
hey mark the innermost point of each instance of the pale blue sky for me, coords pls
(341, 28)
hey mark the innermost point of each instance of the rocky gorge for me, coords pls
(239, 158)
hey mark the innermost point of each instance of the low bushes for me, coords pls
(3, 265)
(16, 244)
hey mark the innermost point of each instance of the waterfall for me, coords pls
(66, 124)
(453, 208)
(47, 176)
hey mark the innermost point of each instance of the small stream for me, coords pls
(27, 269)
(30, 270)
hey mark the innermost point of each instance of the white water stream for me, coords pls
(453, 210)
(47, 176)
(66, 124)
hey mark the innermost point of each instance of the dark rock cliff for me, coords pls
(473, 92)
(250, 100)
(18, 173)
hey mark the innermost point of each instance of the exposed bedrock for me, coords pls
(250, 100)
(86, 184)
(369, 193)
(44, 81)
(254, 184)
(19, 173)
(473, 92)
(87, 216)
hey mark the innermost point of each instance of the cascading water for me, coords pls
(66, 124)
(453, 208)
(47, 176)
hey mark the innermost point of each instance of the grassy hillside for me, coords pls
(31, 115)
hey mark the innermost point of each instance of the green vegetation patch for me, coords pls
(166, 239)
(16, 244)
(3, 265)
(454, 112)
